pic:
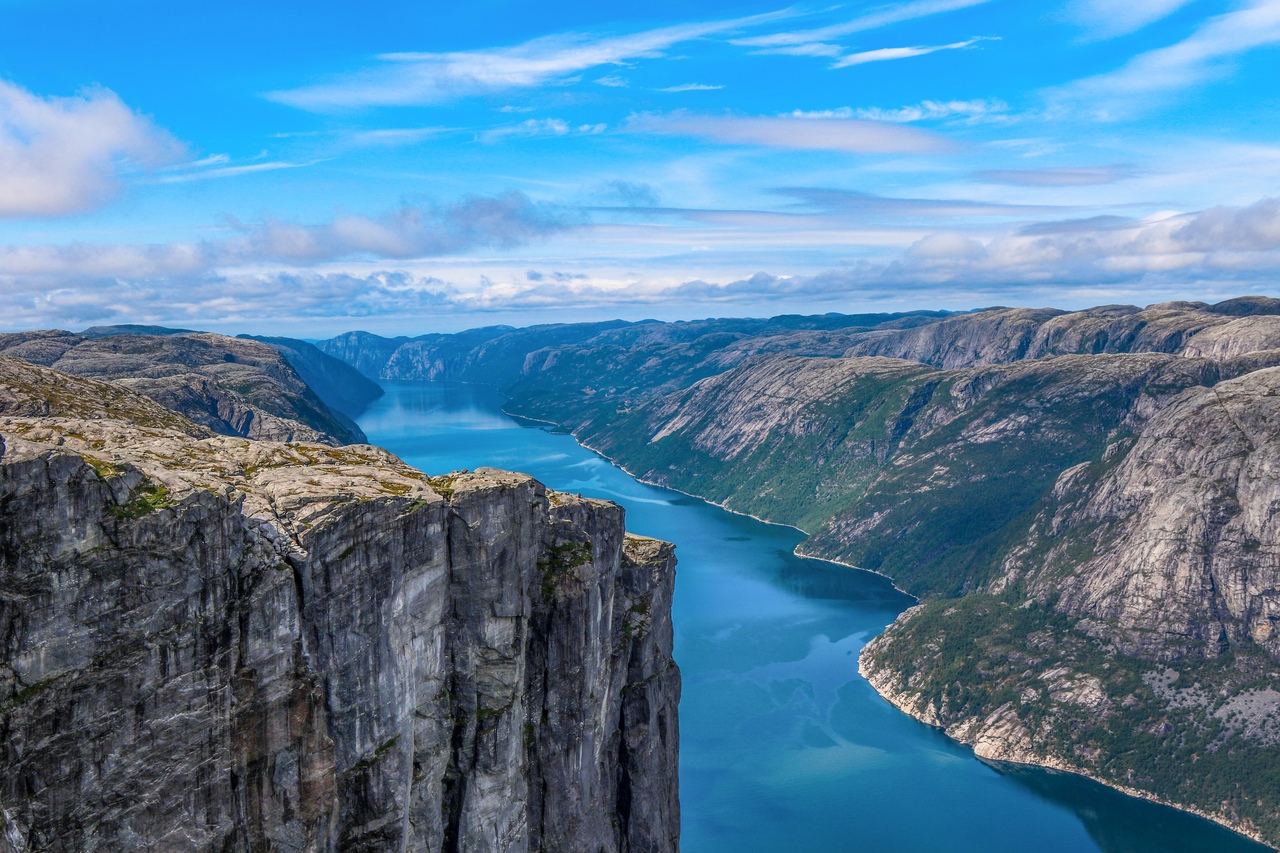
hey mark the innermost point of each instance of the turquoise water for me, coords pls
(783, 746)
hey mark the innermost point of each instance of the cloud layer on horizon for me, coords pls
(236, 281)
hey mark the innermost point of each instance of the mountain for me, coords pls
(1084, 501)
(212, 643)
(232, 386)
(338, 385)
(496, 355)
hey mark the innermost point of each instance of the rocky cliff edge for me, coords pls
(211, 643)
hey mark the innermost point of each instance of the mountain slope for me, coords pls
(232, 386)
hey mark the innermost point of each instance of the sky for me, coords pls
(310, 168)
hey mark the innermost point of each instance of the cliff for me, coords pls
(230, 385)
(212, 643)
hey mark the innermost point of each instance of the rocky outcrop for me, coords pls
(230, 385)
(211, 643)
(1181, 531)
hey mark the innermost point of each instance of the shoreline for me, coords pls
(640, 479)
(1047, 763)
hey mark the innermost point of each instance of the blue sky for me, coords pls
(310, 168)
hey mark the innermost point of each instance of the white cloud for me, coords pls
(828, 134)
(691, 87)
(1216, 243)
(527, 128)
(430, 78)
(195, 172)
(883, 17)
(1203, 54)
(969, 111)
(1219, 250)
(505, 220)
(65, 155)
(1108, 18)
(889, 53)
(1062, 176)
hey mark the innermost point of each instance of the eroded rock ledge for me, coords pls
(216, 644)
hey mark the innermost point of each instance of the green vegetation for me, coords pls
(636, 622)
(28, 693)
(377, 755)
(144, 499)
(561, 563)
(105, 470)
(442, 486)
(1157, 727)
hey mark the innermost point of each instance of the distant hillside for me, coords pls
(232, 386)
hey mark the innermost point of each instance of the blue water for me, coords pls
(784, 747)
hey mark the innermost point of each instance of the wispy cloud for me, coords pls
(1108, 19)
(397, 136)
(1063, 176)
(1204, 54)
(505, 220)
(529, 127)
(821, 41)
(200, 170)
(888, 53)
(627, 193)
(852, 202)
(65, 155)
(967, 111)
(540, 127)
(825, 134)
(405, 79)
(691, 87)
(883, 17)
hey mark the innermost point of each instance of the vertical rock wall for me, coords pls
(488, 668)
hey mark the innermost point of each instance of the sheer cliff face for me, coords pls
(219, 644)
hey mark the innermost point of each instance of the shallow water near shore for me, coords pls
(784, 747)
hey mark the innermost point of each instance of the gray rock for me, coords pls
(230, 385)
(215, 644)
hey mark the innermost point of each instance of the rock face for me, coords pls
(230, 385)
(216, 644)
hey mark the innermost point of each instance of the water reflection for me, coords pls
(783, 746)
